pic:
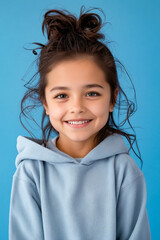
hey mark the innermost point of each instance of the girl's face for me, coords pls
(77, 100)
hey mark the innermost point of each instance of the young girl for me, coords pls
(81, 184)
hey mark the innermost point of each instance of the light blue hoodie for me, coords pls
(56, 197)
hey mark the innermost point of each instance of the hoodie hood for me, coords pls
(33, 149)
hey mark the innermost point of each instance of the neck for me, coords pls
(75, 149)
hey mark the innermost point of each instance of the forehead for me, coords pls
(76, 71)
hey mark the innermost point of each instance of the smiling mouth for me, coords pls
(78, 125)
(78, 120)
(88, 120)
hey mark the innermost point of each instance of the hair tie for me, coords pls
(34, 52)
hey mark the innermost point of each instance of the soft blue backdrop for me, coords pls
(135, 30)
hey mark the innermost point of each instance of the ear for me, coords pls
(45, 105)
(115, 100)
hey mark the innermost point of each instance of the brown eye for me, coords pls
(97, 94)
(62, 94)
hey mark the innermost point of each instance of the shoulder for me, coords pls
(27, 167)
(27, 160)
(28, 170)
(127, 171)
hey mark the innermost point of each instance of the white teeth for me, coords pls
(78, 122)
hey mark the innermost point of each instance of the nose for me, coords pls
(77, 105)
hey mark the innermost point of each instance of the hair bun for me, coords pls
(90, 24)
(57, 23)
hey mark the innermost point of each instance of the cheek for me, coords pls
(101, 109)
(56, 112)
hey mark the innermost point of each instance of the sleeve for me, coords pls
(25, 221)
(132, 218)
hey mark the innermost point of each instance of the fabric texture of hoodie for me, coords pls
(56, 197)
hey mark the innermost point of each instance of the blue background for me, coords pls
(135, 32)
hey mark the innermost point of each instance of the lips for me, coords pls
(78, 125)
(76, 120)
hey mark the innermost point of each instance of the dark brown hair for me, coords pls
(72, 38)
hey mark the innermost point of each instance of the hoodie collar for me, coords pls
(34, 150)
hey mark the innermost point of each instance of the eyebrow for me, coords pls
(66, 88)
